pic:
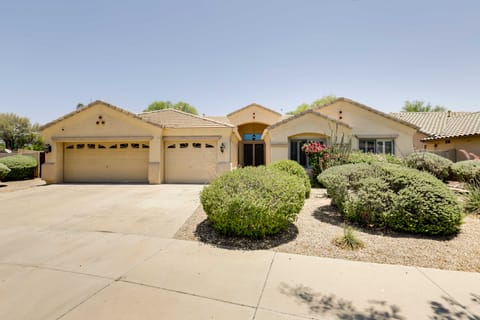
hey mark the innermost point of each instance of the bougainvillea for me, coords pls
(321, 156)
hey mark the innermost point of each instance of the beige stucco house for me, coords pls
(104, 143)
(454, 135)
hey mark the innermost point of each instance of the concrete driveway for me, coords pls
(106, 252)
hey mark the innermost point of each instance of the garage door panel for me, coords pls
(190, 162)
(106, 162)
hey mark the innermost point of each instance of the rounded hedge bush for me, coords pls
(468, 170)
(3, 171)
(21, 167)
(253, 201)
(293, 168)
(430, 162)
(392, 196)
(362, 157)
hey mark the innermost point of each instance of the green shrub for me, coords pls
(3, 171)
(467, 170)
(371, 203)
(348, 240)
(253, 201)
(362, 157)
(472, 201)
(389, 195)
(426, 206)
(430, 162)
(21, 167)
(293, 168)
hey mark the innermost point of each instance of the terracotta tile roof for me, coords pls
(90, 105)
(440, 125)
(222, 119)
(171, 118)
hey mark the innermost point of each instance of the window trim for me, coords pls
(375, 142)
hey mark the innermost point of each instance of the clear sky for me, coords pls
(220, 55)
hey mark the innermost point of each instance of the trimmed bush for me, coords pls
(392, 196)
(467, 170)
(253, 201)
(293, 168)
(370, 204)
(472, 200)
(21, 167)
(3, 171)
(430, 162)
(362, 157)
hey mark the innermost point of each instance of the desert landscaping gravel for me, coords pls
(318, 224)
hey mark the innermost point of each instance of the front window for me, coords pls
(296, 152)
(384, 146)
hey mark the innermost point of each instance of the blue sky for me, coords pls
(220, 55)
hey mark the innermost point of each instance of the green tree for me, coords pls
(80, 105)
(182, 106)
(305, 106)
(17, 132)
(421, 106)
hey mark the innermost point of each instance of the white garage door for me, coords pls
(106, 162)
(190, 162)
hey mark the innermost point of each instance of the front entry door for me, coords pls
(253, 154)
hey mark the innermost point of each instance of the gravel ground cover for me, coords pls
(319, 223)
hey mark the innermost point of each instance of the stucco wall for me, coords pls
(469, 144)
(253, 113)
(366, 123)
(82, 126)
(307, 125)
(310, 125)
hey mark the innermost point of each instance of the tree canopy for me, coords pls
(421, 106)
(305, 106)
(182, 106)
(18, 132)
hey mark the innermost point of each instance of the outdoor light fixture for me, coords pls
(222, 147)
(47, 148)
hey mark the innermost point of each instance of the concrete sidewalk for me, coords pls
(106, 252)
(173, 279)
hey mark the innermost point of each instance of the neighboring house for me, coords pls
(454, 135)
(103, 143)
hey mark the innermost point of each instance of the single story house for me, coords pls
(104, 143)
(454, 135)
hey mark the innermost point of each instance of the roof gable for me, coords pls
(251, 106)
(172, 118)
(302, 114)
(90, 106)
(367, 108)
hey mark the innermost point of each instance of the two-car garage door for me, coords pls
(118, 162)
(186, 161)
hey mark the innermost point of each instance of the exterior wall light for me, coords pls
(222, 147)
(47, 148)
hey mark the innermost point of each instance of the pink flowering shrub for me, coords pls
(321, 157)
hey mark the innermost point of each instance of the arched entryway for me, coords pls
(252, 148)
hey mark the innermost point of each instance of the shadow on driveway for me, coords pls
(206, 234)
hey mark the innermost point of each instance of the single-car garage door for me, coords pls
(119, 162)
(190, 161)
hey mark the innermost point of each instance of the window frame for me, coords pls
(376, 141)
